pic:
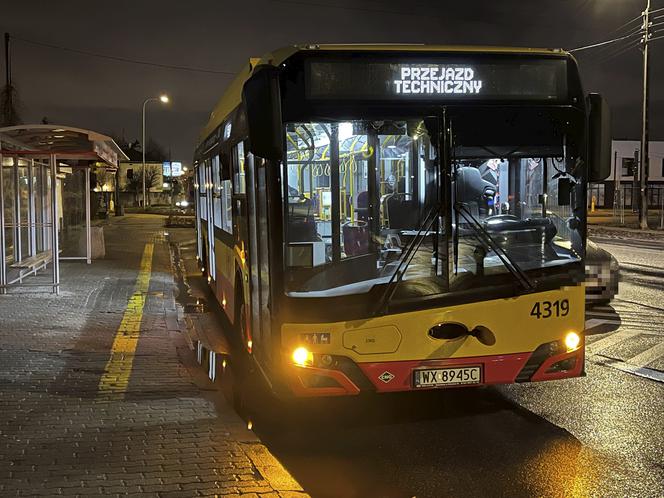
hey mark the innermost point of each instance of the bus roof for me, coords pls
(233, 94)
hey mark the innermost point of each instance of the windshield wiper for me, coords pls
(487, 241)
(412, 248)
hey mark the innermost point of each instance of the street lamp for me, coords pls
(164, 100)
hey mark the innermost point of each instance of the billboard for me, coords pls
(172, 168)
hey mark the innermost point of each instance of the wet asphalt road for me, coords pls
(601, 435)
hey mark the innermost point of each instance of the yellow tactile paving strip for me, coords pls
(115, 378)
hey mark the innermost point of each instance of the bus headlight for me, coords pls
(302, 357)
(572, 341)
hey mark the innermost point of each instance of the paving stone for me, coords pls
(163, 436)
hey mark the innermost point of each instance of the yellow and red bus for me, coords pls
(391, 218)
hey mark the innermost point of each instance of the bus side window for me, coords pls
(239, 183)
(216, 191)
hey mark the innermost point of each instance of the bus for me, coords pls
(380, 218)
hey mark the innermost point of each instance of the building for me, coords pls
(625, 163)
(130, 181)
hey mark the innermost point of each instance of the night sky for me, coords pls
(221, 35)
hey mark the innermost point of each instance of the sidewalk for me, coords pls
(603, 223)
(101, 393)
(618, 232)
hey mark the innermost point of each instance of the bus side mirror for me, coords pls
(262, 102)
(564, 191)
(599, 136)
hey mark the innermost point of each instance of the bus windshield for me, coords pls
(360, 196)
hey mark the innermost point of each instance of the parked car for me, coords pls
(602, 275)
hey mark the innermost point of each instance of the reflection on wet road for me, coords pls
(461, 442)
(599, 435)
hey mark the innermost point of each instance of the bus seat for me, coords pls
(402, 212)
(356, 238)
(362, 205)
(301, 222)
(471, 188)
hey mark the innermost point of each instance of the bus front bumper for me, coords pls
(350, 378)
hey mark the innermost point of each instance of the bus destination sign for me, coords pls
(436, 79)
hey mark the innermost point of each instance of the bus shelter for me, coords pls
(45, 184)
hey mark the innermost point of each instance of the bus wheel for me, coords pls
(242, 327)
(241, 359)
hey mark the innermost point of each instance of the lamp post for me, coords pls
(164, 100)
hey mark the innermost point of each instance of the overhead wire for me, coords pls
(602, 43)
(122, 59)
(607, 45)
(616, 53)
(637, 18)
(608, 49)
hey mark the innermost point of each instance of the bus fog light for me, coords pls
(572, 341)
(326, 360)
(302, 357)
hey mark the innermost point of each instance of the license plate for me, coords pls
(449, 376)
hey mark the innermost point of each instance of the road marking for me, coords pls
(648, 356)
(611, 314)
(118, 368)
(606, 342)
(600, 308)
(647, 373)
(596, 322)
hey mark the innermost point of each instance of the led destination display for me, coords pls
(451, 79)
(433, 80)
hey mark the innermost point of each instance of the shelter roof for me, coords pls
(66, 142)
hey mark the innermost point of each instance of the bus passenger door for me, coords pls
(258, 255)
(211, 260)
(199, 210)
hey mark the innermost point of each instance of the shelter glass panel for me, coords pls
(40, 205)
(73, 236)
(9, 208)
(23, 201)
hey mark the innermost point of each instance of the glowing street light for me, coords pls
(163, 98)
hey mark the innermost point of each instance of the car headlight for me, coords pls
(614, 265)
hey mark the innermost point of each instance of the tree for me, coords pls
(135, 183)
(152, 177)
(104, 179)
(9, 105)
(154, 152)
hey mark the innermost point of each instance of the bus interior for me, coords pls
(363, 205)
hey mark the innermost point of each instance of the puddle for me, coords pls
(184, 296)
(199, 306)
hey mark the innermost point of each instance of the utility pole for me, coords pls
(8, 65)
(643, 212)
